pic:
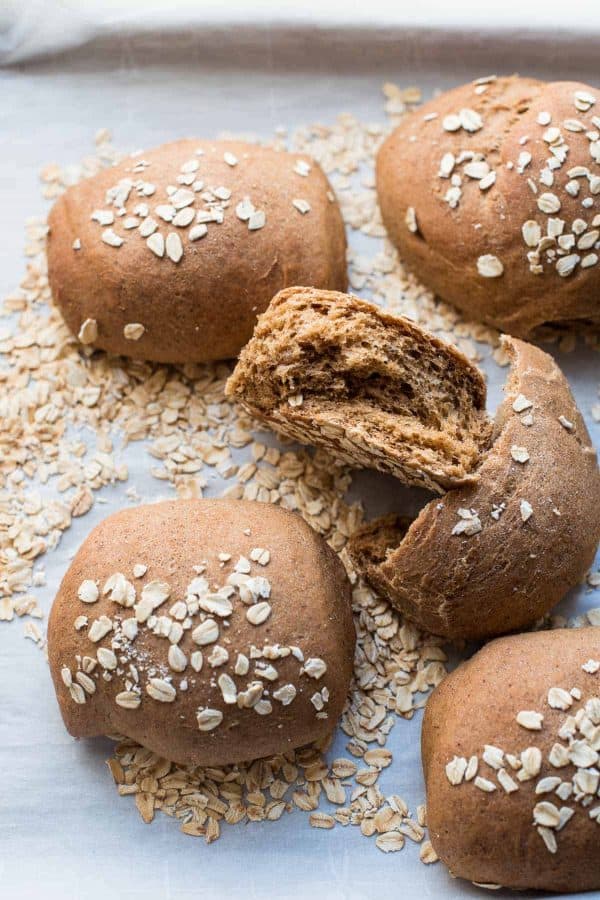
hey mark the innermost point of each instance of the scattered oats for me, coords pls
(303, 206)
(567, 265)
(547, 785)
(285, 694)
(321, 820)
(548, 203)
(451, 122)
(111, 238)
(519, 454)
(472, 767)
(88, 332)
(128, 700)
(260, 556)
(470, 120)
(242, 665)
(566, 424)
(208, 719)
(258, 613)
(389, 842)
(196, 659)
(549, 839)
(314, 667)
(197, 232)
(174, 247)
(106, 658)
(133, 331)
(184, 217)
(455, 770)
(88, 591)
(526, 510)
(487, 181)
(427, 854)
(521, 403)
(103, 216)
(484, 785)
(176, 658)
(206, 633)
(531, 720)
(257, 220)
(447, 165)
(148, 227)
(156, 243)
(508, 783)
(532, 233)
(469, 523)
(411, 220)
(76, 245)
(558, 698)
(303, 168)
(489, 266)
(546, 814)
(227, 688)
(99, 629)
(160, 689)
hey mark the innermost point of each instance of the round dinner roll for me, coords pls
(491, 193)
(510, 744)
(173, 253)
(210, 631)
(496, 555)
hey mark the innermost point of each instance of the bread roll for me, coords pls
(171, 255)
(211, 631)
(497, 555)
(491, 193)
(376, 390)
(510, 754)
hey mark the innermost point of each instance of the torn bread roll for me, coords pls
(491, 194)
(172, 254)
(376, 390)
(495, 556)
(511, 753)
(210, 631)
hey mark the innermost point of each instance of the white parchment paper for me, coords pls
(64, 831)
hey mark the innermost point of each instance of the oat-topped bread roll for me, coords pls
(171, 255)
(211, 631)
(495, 556)
(491, 193)
(511, 753)
(378, 391)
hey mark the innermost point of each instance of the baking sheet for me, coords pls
(64, 831)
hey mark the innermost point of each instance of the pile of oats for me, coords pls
(67, 413)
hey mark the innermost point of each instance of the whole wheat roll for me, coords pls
(210, 631)
(497, 555)
(510, 747)
(172, 254)
(491, 194)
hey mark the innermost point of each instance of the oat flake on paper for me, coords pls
(51, 386)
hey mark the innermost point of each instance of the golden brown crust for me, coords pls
(376, 390)
(204, 306)
(489, 836)
(455, 229)
(310, 610)
(505, 565)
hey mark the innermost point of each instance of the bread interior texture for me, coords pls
(375, 382)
